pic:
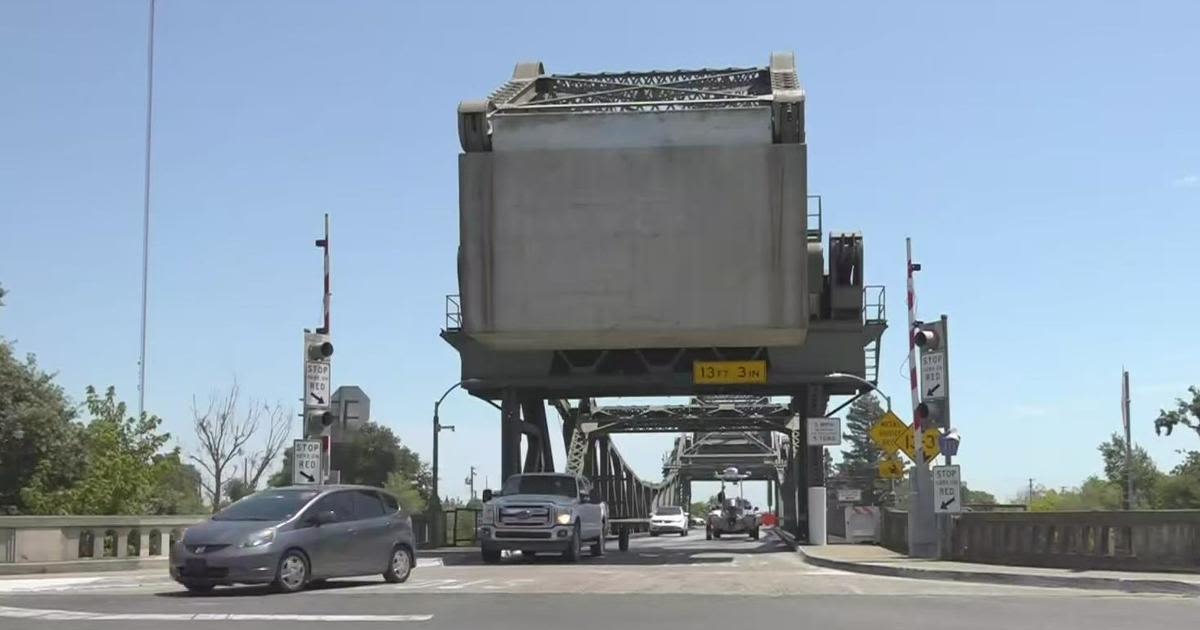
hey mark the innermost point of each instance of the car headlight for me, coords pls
(258, 539)
(564, 518)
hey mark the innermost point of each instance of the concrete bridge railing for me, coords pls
(1151, 540)
(27, 542)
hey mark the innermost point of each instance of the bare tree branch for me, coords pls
(279, 427)
(223, 434)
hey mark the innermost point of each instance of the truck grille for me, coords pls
(525, 515)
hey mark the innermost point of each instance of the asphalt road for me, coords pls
(667, 582)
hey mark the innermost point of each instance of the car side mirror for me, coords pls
(323, 517)
(487, 495)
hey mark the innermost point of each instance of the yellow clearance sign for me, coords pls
(931, 440)
(729, 372)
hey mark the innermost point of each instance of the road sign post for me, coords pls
(306, 462)
(824, 431)
(947, 489)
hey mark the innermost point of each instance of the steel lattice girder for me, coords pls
(762, 415)
(636, 91)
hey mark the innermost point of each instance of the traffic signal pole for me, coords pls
(318, 353)
(922, 542)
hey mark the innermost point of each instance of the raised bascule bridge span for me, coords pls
(651, 234)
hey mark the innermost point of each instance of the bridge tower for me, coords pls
(623, 232)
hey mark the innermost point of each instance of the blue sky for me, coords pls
(1044, 157)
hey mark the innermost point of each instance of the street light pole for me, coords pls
(438, 427)
(887, 399)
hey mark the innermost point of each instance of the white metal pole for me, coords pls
(917, 544)
(146, 213)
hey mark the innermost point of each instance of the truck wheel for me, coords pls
(683, 533)
(598, 546)
(490, 556)
(707, 533)
(754, 533)
(717, 535)
(572, 552)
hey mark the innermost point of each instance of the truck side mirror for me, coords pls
(487, 495)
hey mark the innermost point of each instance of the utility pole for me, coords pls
(1129, 501)
(1029, 497)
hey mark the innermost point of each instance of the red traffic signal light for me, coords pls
(319, 351)
(926, 338)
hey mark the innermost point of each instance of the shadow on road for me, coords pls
(258, 590)
(646, 551)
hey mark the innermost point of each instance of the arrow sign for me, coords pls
(316, 383)
(933, 374)
(306, 462)
(947, 489)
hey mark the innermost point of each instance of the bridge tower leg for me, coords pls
(510, 434)
(791, 487)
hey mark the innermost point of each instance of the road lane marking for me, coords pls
(455, 587)
(41, 614)
(26, 585)
(429, 562)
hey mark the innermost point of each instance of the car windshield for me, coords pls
(668, 510)
(269, 505)
(541, 484)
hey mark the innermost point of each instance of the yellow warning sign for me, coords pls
(891, 469)
(888, 433)
(931, 437)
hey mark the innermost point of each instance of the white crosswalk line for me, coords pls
(73, 615)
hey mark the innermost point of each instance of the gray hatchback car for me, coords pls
(289, 537)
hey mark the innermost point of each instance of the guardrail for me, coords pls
(1150, 540)
(34, 539)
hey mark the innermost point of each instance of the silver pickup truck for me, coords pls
(543, 512)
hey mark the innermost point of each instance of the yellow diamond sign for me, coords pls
(888, 433)
(892, 468)
(931, 437)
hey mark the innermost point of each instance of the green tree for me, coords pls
(859, 467)
(237, 488)
(35, 427)
(1186, 413)
(367, 456)
(1145, 473)
(177, 486)
(977, 497)
(409, 496)
(119, 475)
(1180, 490)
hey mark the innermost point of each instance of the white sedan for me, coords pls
(669, 519)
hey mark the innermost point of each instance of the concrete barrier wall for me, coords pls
(894, 530)
(1159, 540)
(48, 539)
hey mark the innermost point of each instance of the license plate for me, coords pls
(728, 372)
